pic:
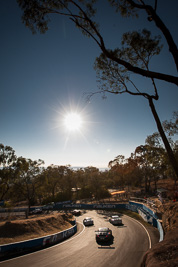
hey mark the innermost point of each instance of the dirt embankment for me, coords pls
(165, 253)
(16, 230)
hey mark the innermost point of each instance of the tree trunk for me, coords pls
(146, 183)
(171, 156)
(155, 180)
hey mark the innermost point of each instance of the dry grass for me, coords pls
(16, 230)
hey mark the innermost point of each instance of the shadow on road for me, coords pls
(120, 226)
(106, 247)
(106, 244)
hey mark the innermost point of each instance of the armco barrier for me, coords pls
(89, 206)
(161, 233)
(144, 208)
(149, 216)
(37, 243)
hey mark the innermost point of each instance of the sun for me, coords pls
(73, 121)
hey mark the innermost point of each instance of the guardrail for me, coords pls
(146, 213)
(150, 216)
(37, 243)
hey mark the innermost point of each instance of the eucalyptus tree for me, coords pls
(142, 154)
(81, 184)
(26, 180)
(94, 183)
(52, 180)
(164, 167)
(115, 66)
(68, 181)
(118, 171)
(127, 171)
(56, 182)
(7, 160)
(150, 160)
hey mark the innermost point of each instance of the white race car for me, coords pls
(116, 220)
(88, 221)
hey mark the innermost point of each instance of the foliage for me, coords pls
(114, 66)
(25, 179)
(155, 142)
(7, 160)
(7, 156)
(26, 172)
(37, 15)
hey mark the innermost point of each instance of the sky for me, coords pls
(45, 77)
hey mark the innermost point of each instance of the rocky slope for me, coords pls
(165, 253)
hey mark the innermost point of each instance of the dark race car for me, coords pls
(76, 212)
(104, 234)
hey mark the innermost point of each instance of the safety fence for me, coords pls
(146, 213)
(149, 216)
(37, 243)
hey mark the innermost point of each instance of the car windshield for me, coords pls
(104, 229)
(115, 217)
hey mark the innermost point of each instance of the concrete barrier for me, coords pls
(146, 213)
(149, 216)
(37, 243)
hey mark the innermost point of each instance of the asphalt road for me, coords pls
(131, 241)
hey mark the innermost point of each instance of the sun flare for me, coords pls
(73, 121)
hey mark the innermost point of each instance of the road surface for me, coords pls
(131, 241)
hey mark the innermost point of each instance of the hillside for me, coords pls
(165, 253)
(15, 230)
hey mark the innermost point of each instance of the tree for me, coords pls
(67, 182)
(117, 170)
(143, 156)
(126, 172)
(171, 127)
(7, 160)
(155, 142)
(138, 48)
(26, 183)
(52, 177)
(114, 66)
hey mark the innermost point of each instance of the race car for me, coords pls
(104, 234)
(88, 221)
(36, 211)
(115, 220)
(76, 212)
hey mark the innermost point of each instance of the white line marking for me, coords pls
(143, 227)
(52, 246)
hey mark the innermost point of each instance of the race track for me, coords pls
(131, 241)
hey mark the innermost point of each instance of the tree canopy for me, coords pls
(28, 180)
(115, 66)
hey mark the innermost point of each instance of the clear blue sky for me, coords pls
(44, 77)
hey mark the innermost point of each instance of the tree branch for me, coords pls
(159, 23)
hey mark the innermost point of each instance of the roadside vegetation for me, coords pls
(28, 180)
